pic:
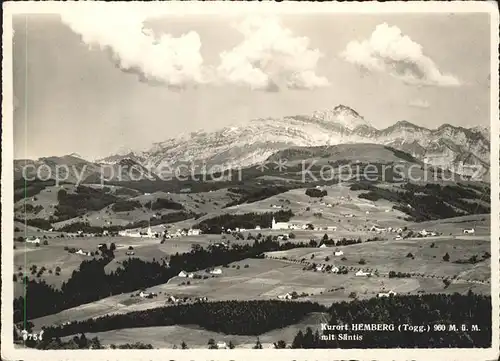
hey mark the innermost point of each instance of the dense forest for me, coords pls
(250, 194)
(432, 309)
(257, 317)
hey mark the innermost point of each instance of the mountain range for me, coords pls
(462, 150)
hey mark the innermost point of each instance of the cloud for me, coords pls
(419, 103)
(270, 57)
(173, 61)
(388, 50)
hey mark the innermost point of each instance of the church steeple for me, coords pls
(273, 224)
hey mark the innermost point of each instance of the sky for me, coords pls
(93, 84)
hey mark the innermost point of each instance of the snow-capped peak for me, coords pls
(343, 116)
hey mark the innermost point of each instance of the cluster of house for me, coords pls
(425, 233)
(34, 240)
(386, 294)
(389, 229)
(184, 274)
(137, 234)
(183, 233)
(150, 234)
(291, 226)
(322, 267)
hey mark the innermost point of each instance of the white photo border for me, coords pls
(9, 352)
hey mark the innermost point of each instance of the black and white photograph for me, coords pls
(303, 179)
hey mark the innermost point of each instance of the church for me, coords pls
(279, 225)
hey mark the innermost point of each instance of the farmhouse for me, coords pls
(145, 294)
(362, 273)
(323, 246)
(334, 269)
(34, 240)
(338, 253)
(191, 275)
(130, 253)
(216, 271)
(279, 225)
(221, 345)
(386, 294)
(377, 229)
(285, 297)
(331, 228)
(469, 231)
(194, 232)
(257, 228)
(182, 274)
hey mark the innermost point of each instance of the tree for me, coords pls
(183, 345)
(327, 259)
(446, 257)
(231, 345)
(112, 247)
(409, 255)
(362, 261)
(325, 237)
(58, 269)
(130, 248)
(258, 345)
(280, 344)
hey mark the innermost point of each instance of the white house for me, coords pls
(279, 225)
(34, 240)
(349, 215)
(398, 238)
(338, 253)
(194, 232)
(469, 231)
(257, 228)
(80, 251)
(182, 274)
(221, 345)
(423, 232)
(362, 273)
(191, 275)
(386, 294)
(323, 246)
(335, 270)
(320, 267)
(144, 294)
(130, 253)
(377, 229)
(216, 271)
(332, 228)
